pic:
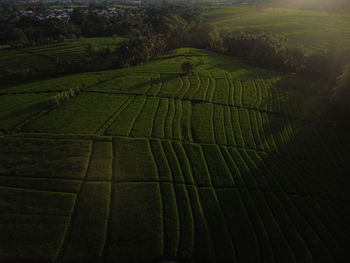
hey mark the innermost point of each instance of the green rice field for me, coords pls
(232, 164)
(68, 51)
(312, 30)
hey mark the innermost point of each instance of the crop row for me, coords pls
(197, 201)
(84, 114)
(262, 91)
(13, 59)
(68, 52)
(226, 167)
(65, 52)
(62, 83)
(210, 195)
(43, 158)
(50, 209)
(209, 123)
(191, 121)
(17, 108)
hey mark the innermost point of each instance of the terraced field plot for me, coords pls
(233, 164)
(69, 51)
(314, 30)
(21, 103)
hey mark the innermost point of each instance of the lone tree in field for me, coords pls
(187, 68)
(342, 91)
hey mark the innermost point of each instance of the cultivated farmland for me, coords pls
(312, 30)
(68, 51)
(232, 164)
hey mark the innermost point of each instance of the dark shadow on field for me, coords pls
(317, 158)
(308, 133)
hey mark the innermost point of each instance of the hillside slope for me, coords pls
(233, 164)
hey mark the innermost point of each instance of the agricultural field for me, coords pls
(232, 164)
(312, 30)
(68, 51)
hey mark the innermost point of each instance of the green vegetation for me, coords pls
(187, 67)
(312, 30)
(146, 164)
(19, 107)
(53, 57)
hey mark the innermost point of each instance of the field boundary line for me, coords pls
(199, 85)
(262, 193)
(72, 221)
(93, 137)
(36, 54)
(173, 183)
(134, 120)
(154, 116)
(101, 130)
(214, 188)
(35, 189)
(243, 200)
(29, 92)
(111, 203)
(19, 126)
(31, 214)
(309, 121)
(190, 205)
(161, 199)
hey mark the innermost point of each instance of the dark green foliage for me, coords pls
(140, 49)
(187, 68)
(266, 50)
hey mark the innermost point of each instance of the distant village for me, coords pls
(63, 13)
(57, 13)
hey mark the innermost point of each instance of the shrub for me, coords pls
(65, 96)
